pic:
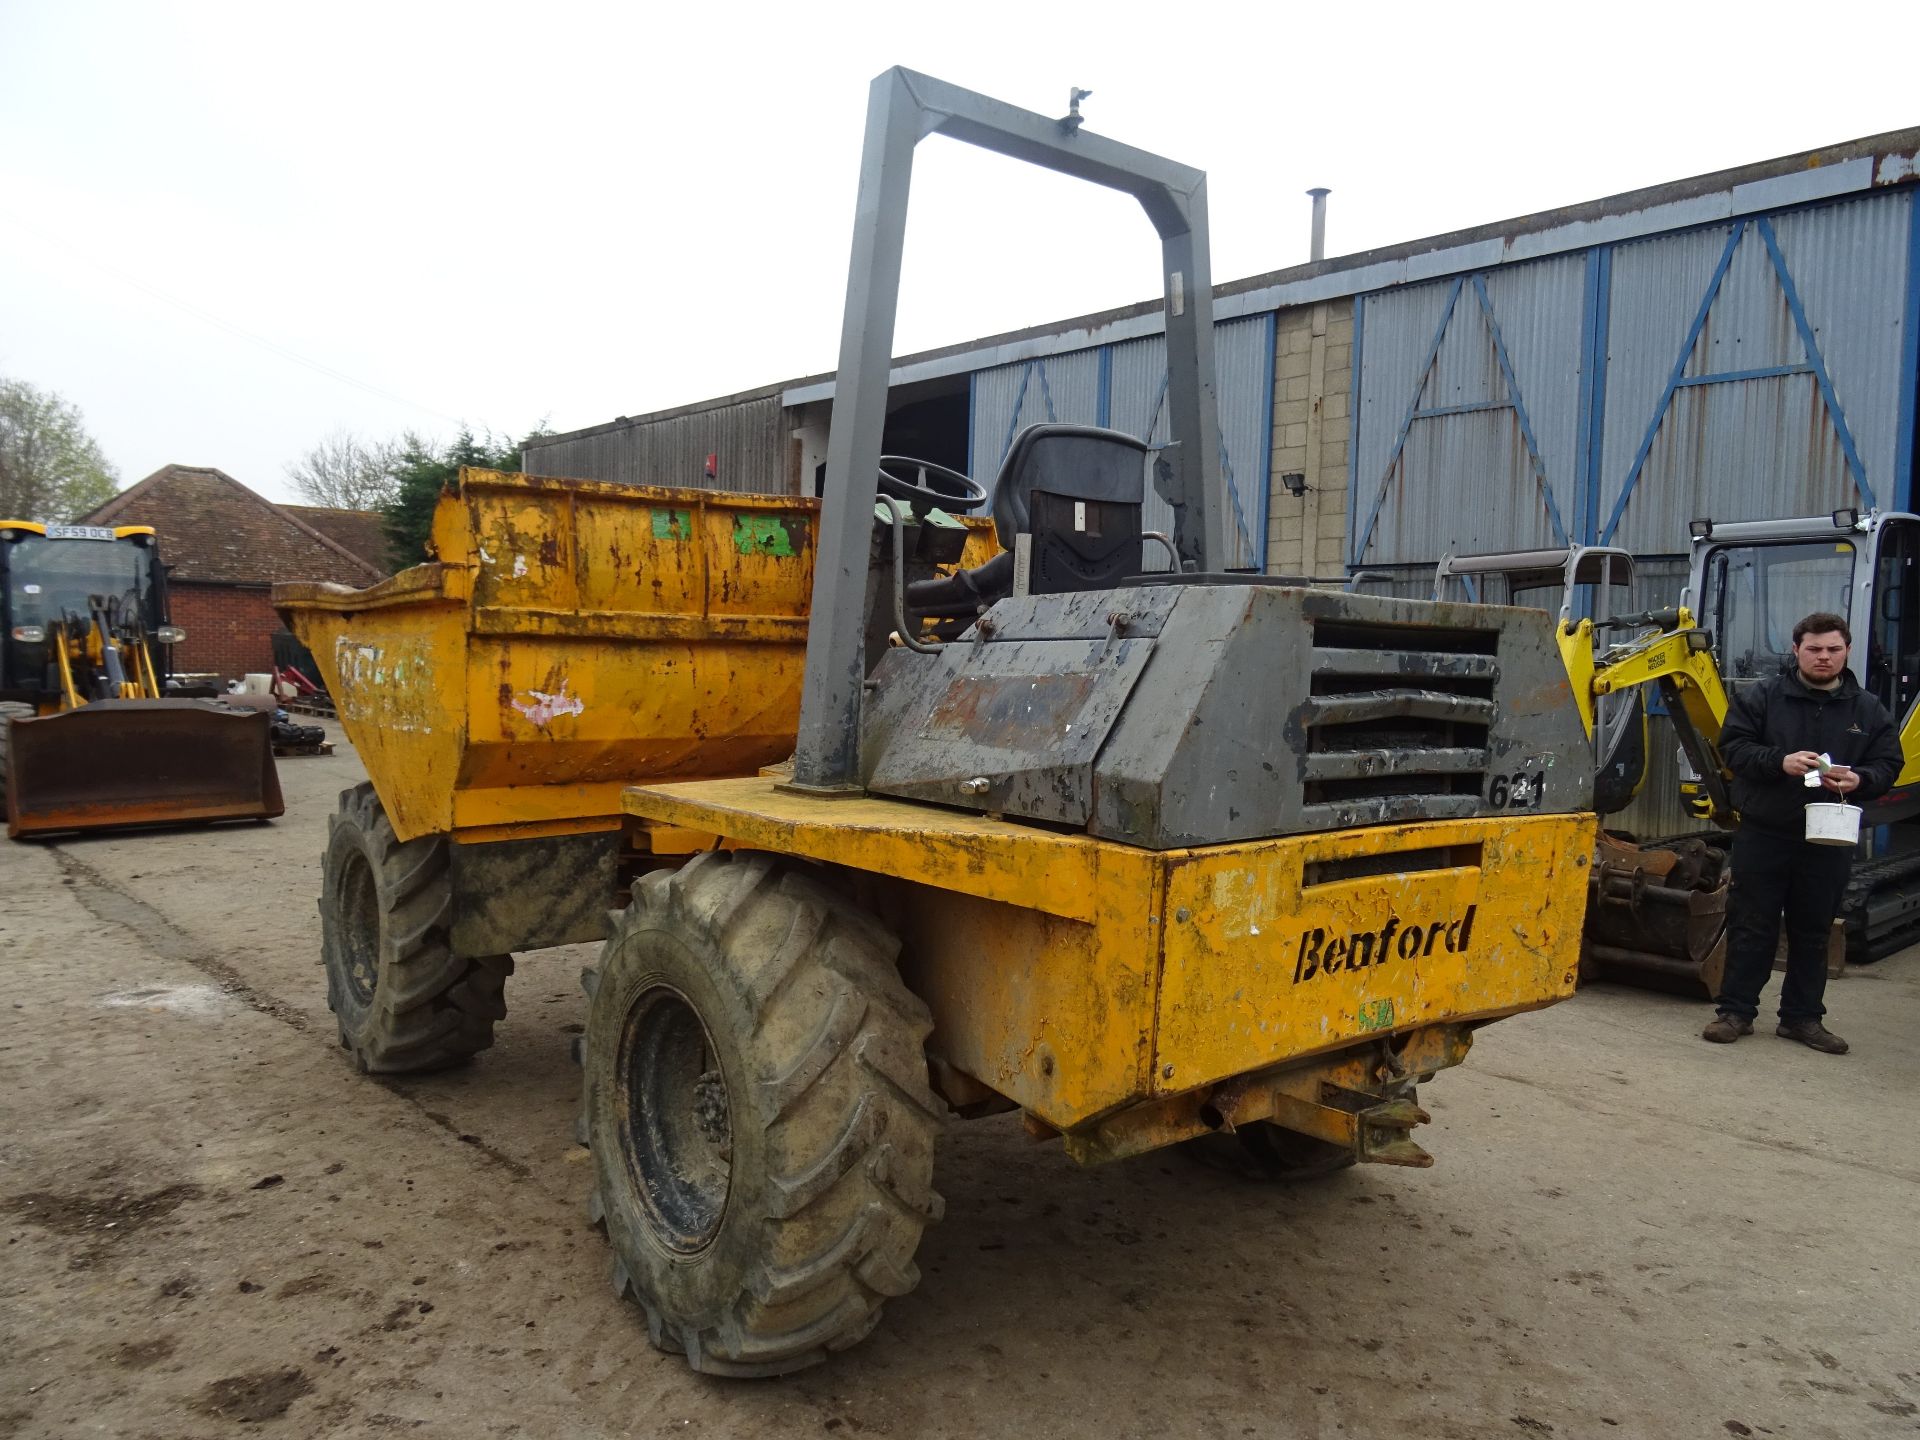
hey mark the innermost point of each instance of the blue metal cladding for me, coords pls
(1763, 367)
(1008, 398)
(1907, 448)
(1125, 386)
(1754, 371)
(1470, 396)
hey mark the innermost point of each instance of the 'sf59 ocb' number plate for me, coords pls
(79, 532)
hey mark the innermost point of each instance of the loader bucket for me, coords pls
(140, 762)
(1657, 915)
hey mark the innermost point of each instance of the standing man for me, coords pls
(1775, 734)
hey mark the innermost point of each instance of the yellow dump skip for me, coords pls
(570, 637)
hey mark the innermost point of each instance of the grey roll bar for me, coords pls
(904, 107)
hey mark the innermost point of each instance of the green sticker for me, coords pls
(672, 524)
(761, 535)
(1376, 1015)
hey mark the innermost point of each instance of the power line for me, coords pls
(211, 319)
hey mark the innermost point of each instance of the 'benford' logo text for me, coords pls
(1322, 956)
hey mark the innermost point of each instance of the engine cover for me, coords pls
(1170, 715)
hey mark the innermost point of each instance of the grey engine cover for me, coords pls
(1173, 715)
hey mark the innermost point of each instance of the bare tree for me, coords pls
(345, 472)
(50, 467)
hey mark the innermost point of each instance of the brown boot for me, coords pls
(1724, 1029)
(1813, 1035)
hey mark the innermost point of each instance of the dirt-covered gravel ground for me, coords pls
(211, 1222)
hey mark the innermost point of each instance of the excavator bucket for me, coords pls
(139, 762)
(1657, 914)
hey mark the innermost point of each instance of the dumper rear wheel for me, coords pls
(757, 1104)
(403, 999)
(1265, 1151)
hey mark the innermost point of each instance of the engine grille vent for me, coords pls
(1396, 722)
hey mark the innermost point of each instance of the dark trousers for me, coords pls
(1772, 873)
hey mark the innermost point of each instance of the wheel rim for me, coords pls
(675, 1128)
(360, 926)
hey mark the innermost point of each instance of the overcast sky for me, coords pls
(227, 230)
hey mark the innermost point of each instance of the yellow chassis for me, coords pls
(1128, 998)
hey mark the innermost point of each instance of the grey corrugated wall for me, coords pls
(1468, 397)
(1770, 444)
(1516, 407)
(749, 440)
(1124, 386)
(1747, 370)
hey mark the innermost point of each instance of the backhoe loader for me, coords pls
(1658, 907)
(89, 737)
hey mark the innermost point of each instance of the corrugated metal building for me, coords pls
(1743, 345)
(735, 443)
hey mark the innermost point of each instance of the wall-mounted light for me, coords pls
(1295, 483)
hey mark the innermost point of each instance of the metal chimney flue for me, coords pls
(1317, 250)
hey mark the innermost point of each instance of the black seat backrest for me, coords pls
(1077, 490)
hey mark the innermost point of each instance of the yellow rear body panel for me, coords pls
(1077, 976)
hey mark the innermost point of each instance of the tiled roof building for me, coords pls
(225, 547)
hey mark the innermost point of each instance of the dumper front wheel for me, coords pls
(757, 1104)
(403, 999)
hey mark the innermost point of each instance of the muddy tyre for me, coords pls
(9, 709)
(1264, 1151)
(756, 1100)
(403, 999)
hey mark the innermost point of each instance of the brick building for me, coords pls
(225, 547)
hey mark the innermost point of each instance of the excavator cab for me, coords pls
(1588, 588)
(89, 737)
(1751, 582)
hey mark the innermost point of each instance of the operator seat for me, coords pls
(1076, 491)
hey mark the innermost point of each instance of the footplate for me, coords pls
(1362, 1100)
(1374, 1130)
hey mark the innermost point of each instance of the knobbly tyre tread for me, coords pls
(815, 1241)
(9, 709)
(431, 1007)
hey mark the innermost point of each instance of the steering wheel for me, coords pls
(933, 486)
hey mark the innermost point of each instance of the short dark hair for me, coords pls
(1821, 622)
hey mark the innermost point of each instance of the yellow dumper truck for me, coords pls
(1153, 858)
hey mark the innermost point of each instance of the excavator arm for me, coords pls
(1679, 661)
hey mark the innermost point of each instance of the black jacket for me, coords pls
(1770, 720)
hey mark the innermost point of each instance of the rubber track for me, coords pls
(1879, 880)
